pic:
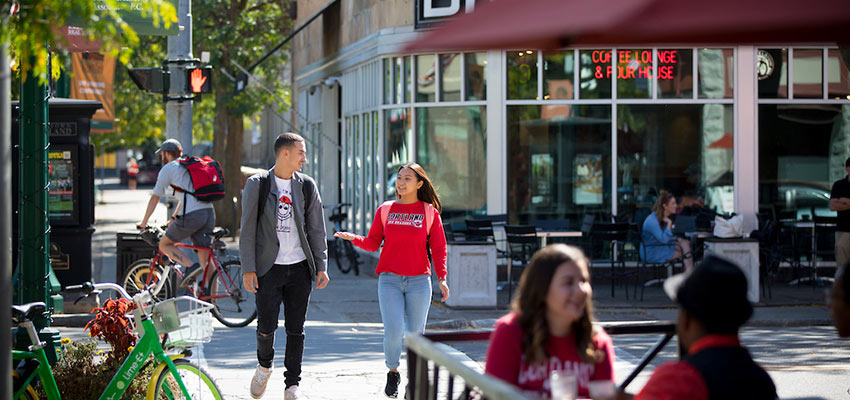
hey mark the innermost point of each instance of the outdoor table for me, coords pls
(810, 224)
(545, 235)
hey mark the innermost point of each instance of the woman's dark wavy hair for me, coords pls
(426, 193)
(530, 305)
(658, 207)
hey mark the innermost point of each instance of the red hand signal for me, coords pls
(198, 80)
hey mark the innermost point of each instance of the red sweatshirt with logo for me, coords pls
(405, 241)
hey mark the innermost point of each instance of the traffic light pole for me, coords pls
(178, 113)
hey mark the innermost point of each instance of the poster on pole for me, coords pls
(93, 77)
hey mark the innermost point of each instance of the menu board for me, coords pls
(63, 192)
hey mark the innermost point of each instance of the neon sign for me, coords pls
(634, 64)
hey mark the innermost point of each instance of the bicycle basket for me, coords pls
(187, 320)
(150, 236)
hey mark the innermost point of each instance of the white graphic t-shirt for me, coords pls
(290, 251)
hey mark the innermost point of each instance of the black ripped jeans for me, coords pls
(290, 285)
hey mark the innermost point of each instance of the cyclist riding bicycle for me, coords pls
(192, 218)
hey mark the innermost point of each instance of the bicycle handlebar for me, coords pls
(89, 287)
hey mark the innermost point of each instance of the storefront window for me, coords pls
(559, 167)
(716, 73)
(450, 77)
(558, 73)
(522, 75)
(595, 72)
(402, 79)
(378, 167)
(476, 76)
(684, 148)
(426, 84)
(356, 187)
(772, 65)
(451, 146)
(838, 83)
(399, 145)
(808, 74)
(388, 81)
(634, 73)
(802, 149)
(675, 75)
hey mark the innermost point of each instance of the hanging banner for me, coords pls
(131, 13)
(93, 76)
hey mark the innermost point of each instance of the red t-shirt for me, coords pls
(405, 240)
(506, 361)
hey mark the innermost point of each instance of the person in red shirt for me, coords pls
(408, 228)
(550, 328)
(713, 306)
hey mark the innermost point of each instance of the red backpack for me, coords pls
(207, 178)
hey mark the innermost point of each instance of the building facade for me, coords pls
(542, 135)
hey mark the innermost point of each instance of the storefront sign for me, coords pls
(634, 64)
(428, 12)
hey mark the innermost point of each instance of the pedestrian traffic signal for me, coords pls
(151, 80)
(199, 80)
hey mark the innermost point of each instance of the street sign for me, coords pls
(241, 83)
(151, 80)
(130, 12)
(199, 80)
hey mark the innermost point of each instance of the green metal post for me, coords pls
(34, 237)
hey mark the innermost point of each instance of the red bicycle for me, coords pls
(220, 284)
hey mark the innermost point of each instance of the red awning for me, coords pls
(549, 24)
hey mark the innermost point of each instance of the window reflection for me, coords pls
(716, 73)
(687, 149)
(451, 146)
(772, 67)
(426, 82)
(558, 168)
(450, 77)
(675, 75)
(522, 75)
(476, 76)
(808, 73)
(399, 145)
(558, 69)
(839, 79)
(802, 149)
(634, 72)
(595, 70)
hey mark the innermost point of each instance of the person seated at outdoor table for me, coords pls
(658, 244)
(839, 303)
(713, 363)
(550, 327)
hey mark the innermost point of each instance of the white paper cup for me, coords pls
(564, 385)
(602, 389)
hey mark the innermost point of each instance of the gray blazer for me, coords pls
(258, 243)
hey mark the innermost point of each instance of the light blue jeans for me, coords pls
(404, 304)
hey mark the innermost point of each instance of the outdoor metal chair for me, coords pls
(653, 267)
(614, 235)
(521, 245)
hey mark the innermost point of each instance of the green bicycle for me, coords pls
(175, 377)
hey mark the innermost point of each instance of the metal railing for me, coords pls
(426, 362)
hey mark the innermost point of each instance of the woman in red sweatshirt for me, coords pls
(408, 227)
(550, 327)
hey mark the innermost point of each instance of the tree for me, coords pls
(240, 32)
(30, 28)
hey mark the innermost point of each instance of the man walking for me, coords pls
(191, 220)
(839, 200)
(714, 364)
(283, 246)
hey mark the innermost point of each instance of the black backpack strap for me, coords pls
(263, 192)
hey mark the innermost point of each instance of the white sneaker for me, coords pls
(291, 393)
(258, 383)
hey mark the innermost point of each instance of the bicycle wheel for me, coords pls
(234, 305)
(198, 383)
(341, 256)
(28, 393)
(353, 258)
(139, 277)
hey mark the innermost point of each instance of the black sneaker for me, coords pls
(393, 379)
(191, 274)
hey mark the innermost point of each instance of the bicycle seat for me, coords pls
(23, 312)
(218, 234)
(338, 217)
